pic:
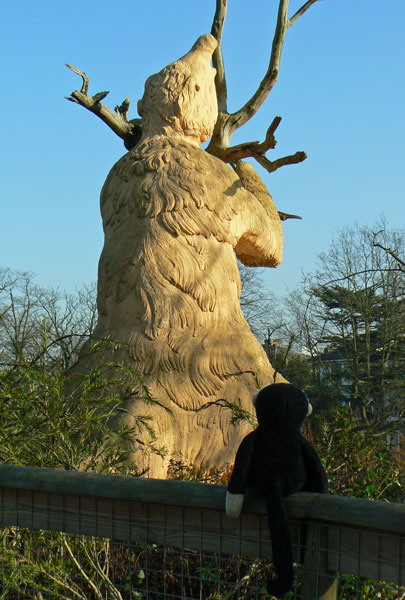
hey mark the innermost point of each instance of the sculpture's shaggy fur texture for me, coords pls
(169, 286)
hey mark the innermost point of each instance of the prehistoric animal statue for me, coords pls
(168, 285)
(174, 217)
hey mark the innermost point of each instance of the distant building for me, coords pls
(331, 365)
(276, 347)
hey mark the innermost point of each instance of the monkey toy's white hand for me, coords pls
(233, 504)
(238, 481)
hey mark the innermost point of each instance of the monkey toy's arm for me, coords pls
(316, 480)
(238, 481)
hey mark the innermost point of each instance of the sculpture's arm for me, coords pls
(254, 184)
(256, 226)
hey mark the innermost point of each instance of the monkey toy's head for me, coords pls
(281, 404)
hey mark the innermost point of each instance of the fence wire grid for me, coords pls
(59, 545)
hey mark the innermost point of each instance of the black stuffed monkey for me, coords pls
(276, 460)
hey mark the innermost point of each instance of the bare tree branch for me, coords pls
(270, 141)
(129, 131)
(391, 253)
(217, 59)
(257, 151)
(85, 86)
(272, 166)
(247, 149)
(241, 116)
(388, 251)
(122, 110)
(301, 11)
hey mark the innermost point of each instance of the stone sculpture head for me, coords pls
(180, 100)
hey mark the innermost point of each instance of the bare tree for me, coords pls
(42, 324)
(20, 322)
(350, 316)
(258, 304)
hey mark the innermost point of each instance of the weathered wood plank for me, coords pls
(371, 554)
(373, 514)
(385, 516)
(129, 521)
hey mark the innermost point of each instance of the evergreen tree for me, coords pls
(352, 318)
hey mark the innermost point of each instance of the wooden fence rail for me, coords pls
(343, 535)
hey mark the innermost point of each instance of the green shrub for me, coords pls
(356, 458)
(43, 425)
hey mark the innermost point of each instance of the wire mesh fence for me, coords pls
(76, 535)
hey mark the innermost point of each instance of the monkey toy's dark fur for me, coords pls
(275, 460)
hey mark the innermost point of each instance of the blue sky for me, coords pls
(340, 93)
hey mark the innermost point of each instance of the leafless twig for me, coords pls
(129, 131)
(389, 251)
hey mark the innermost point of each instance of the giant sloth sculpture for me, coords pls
(168, 286)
